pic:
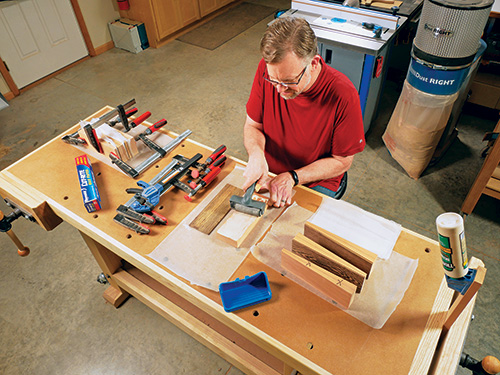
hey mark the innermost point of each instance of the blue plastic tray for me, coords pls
(250, 291)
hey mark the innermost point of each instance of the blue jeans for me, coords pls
(334, 194)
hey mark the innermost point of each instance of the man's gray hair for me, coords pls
(288, 34)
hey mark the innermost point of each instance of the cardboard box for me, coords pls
(485, 90)
(129, 35)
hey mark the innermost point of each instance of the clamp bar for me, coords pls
(169, 147)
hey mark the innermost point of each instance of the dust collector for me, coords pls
(445, 46)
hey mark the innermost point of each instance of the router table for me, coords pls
(295, 330)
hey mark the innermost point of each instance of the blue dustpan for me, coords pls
(239, 294)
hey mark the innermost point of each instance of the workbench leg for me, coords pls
(288, 370)
(109, 263)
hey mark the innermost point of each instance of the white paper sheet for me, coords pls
(370, 231)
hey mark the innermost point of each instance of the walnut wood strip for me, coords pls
(336, 288)
(214, 212)
(354, 254)
(310, 250)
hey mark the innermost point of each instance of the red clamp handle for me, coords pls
(159, 218)
(219, 162)
(210, 176)
(131, 112)
(157, 125)
(218, 152)
(140, 119)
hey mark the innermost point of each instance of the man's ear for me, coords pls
(316, 61)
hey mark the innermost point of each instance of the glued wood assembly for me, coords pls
(311, 251)
(354, 254)
(237, 228)
(334, 287)
(239, 225)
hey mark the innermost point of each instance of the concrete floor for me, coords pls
(52, 317)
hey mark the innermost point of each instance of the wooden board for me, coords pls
(237, 228)
(216, 210)
(338, 289)
(463, 299)
(311, 251)
(354, 254)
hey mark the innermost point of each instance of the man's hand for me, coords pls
(280, 188)
(256, 170)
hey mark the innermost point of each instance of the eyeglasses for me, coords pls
(285, 84)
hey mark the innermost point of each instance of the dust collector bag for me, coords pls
(416, 126)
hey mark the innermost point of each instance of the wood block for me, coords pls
(311, 251)
(237, 228)
(123, 144)
(131, 144)
(108, 147)
(354, 254)
(334, 287)
(216, 210)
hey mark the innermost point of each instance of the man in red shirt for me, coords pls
(304, 120)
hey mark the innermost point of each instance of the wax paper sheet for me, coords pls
(204, 259)
(382, 291)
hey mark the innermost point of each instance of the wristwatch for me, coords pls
(295, 177)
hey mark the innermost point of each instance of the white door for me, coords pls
(38, 37)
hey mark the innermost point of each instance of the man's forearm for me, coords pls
(254, 140)
(323, 169)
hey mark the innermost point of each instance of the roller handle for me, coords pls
(247, 198)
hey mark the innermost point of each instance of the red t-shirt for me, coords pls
(323, 121)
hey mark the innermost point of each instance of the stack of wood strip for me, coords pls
(331, 264)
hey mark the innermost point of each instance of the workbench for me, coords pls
(294, 330)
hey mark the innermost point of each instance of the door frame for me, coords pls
(14, 90)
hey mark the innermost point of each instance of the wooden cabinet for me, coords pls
(164, 18)
(209, 6)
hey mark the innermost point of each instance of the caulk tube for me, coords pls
(450, 228)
